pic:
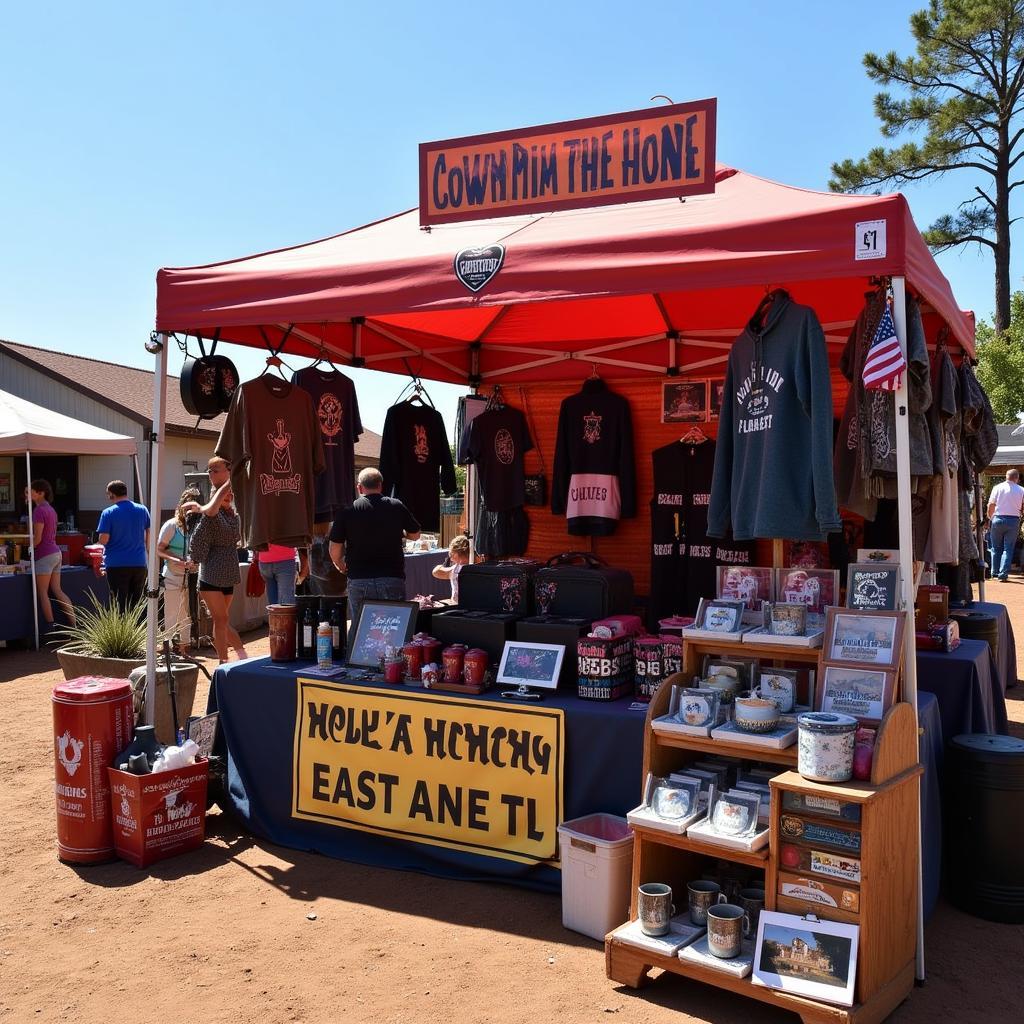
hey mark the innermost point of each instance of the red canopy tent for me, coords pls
(606, 284)
(648, 288)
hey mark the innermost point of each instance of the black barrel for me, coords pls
(979, 626)
(985, 826)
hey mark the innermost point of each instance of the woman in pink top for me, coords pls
(277, 567)
(48, 557)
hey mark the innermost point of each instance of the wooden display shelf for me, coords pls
(888, 887)
(754, 858)
(629, 965)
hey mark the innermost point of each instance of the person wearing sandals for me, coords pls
(48, 555)
(214, 547)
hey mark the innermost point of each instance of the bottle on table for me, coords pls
(324, 659)
(308, 633)
(337, 632)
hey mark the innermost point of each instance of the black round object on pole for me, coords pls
(984, 826)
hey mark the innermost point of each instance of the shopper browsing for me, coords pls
(172, 545)
(48, 555)
(368, 542)
(214, 547)
(123, 531)
(1004, 509)
(277, 567)
(458, 556)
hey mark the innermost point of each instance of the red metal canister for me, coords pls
(413, 654)
(475, 666)
(431, 650)
(92, 721)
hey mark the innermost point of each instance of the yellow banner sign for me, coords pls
(464, 774)
(619, 158)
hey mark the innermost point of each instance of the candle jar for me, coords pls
(825, 746)
(453, 657)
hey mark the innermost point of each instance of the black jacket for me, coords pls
(416, 462)
(594, 482)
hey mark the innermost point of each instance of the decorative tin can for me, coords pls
(649, 655)
(394, 670)
(672, 653)
(282, 623)
(453, 662)
(413, 653)
(431, 650)
(825, 751)
(474, 665)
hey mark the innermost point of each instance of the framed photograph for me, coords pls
(6, 483)
(716, 397)
(529, 664)
(816, 959)
(873, 587)
(746, 583)
(203, 730)
(720, 616)
(382, 624)
(684, 401)
(864, 638)
(816, 588)
(864, 693)
(779, 685)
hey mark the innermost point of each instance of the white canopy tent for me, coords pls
(26, 428)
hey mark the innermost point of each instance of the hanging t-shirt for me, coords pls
(337, 411)
(416, 461)
(272, 441)
(498, 440)
(684, 559)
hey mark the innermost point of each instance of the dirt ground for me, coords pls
(224, 934)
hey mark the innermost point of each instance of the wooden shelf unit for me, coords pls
(889, 825)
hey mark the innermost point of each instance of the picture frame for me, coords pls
(864, 638)
(816, 588)
(684, 401)
(382, 624)
(864, 692)
(806, 957)
(720, 616)
(7, 483)
(203, 730)
(753, 585)
(716, 397)
(872, 586)
(779, 685)
(533, 665)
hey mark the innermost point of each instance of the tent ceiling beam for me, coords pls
(385, 333)
(320, 342)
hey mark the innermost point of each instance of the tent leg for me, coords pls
(908, 577)
(32, 546)
(979, 518)
(153, 603)
(138, 478)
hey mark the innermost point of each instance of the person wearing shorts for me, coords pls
(47, 554)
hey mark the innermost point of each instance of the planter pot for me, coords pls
(76, 665)
(185, 678)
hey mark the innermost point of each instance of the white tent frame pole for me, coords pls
(908, 578)
(153, 600)
(32, 543)
(138, 477)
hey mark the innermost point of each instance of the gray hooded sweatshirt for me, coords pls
(773, 463)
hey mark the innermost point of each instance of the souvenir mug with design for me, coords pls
(752, 902)
(654, 908)
(725, 930)
(702, 895)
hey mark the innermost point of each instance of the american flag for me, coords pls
(884, 366)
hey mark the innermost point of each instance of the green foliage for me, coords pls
(107, 631)
(1001, 363)
(959, 97)
(460, 471)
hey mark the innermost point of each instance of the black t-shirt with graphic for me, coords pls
(373, 531)
(337, 411)
(498, 440)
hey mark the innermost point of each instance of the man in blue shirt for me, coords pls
(123, 531)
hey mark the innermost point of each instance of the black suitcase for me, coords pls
(580, 585)
(498, 587)
(553, 629)
(486, 630)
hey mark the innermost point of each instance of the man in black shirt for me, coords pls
(368, 542)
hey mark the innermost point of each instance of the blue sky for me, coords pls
(137, 136)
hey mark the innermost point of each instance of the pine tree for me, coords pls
(962, 93)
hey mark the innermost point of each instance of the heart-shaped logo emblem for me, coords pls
(475, 267)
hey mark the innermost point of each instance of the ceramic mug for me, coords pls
(725, 930)
(752, 902)
(703, 895)
(654, 908)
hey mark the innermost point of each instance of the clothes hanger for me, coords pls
(274, 361)
(322, 356)
(760, 314)
(496, 400)
(594, 375)
(694, 436)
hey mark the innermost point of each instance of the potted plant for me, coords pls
(107, 640)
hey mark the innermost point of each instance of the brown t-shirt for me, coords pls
(272, 440)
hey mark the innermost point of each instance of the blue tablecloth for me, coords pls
(1006, 662)
(16, 599)
(968, 687)
(257, 704)
(417, 574)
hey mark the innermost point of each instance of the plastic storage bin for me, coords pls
(597, 866)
